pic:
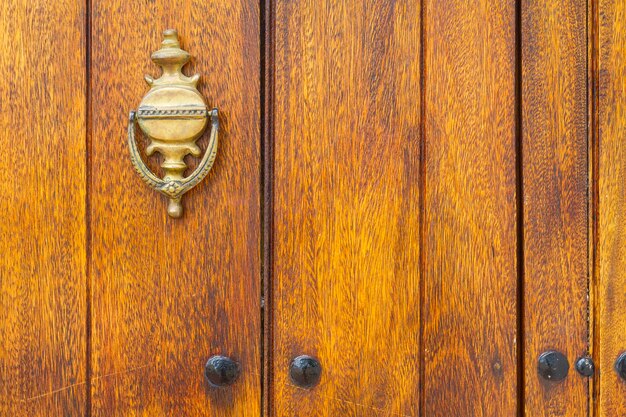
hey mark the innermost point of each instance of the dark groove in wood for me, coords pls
(88, 161)
(519, 168)
(593, 143)
(422, 188)
(267, 155)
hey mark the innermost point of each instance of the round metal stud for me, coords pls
(221, 371)
(585, 366)
(305, 371)
(620, 366)
(553, 366)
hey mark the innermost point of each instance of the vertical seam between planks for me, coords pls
(88, 162)
(422, 197)
(589, 192)
(593, 196)
(521, 405)
(588, 225)
(266, 35)
(263, 240)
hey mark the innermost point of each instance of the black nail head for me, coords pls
(620, 366)
(585, 366)
(553, 366)
(305, 371)
(221, 371)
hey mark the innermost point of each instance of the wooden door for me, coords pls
(346, 206)
(394, 208)
(610, 207)
(446, 201)
(421, 197)
(554, 176)
(109, 307)
(167, 294)
(43, 171)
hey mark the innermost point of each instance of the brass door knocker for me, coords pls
(173, 115)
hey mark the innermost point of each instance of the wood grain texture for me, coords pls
(346, 206)
(42, 225)
(470, 238)
(555, 181)
(611, 239)
(168, 294)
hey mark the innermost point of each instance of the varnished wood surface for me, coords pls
(555, 181)
(42, 220)
(395, 226)
(470, 243)
(611, 240)
(169, 293)
(346, 206)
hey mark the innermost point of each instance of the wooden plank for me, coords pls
(42, 181)
(346, 206)
(470, 243)
(555, 181)
(168, 294)
(611, 229)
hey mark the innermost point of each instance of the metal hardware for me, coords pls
(620, 366)
(585, 366)
(221, 371)
(173, 115)
(305, 371)
(553, 366)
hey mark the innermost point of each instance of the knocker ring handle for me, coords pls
(172, 116)
(168, 186)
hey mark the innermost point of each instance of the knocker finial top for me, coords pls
(173, 115)
(172, 59)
